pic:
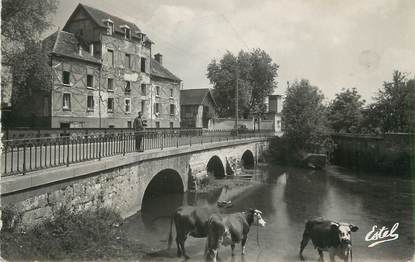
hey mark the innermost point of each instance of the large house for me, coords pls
(197, 108)
(104, 73)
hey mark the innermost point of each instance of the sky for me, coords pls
(334, 44)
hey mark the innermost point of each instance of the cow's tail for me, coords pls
(170, 240)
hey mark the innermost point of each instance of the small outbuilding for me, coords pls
(198, 108)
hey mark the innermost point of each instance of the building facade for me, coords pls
(273, 112)
(197, 108)
(104, 74)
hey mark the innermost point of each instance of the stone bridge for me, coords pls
(123, 182)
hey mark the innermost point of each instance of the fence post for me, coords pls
(177, 140)
(67, 151)
(99, 147)
(123, 139)
(162, 140)
(24, 158)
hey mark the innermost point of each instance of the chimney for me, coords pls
(91, 49)
(159, 58)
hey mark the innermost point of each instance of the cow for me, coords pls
(329, 236)
(192, 221)
(229, 230)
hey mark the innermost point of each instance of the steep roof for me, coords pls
(66, 44)
(160, 71)
(195, 96)
(98, 16)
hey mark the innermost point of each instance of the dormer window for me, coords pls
(141, 36)
(127, 31)
(110, 26)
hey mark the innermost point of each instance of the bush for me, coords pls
(91, 235)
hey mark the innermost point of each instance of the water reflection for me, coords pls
(288, 197)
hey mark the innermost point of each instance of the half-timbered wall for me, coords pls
(120, 72)
(78, 114)
(164, 99)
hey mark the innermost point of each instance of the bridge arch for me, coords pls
(163, 194)
(167, 181)
(248, 160)
(215, 167)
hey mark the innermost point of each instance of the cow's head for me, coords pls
(257, 218)
(343, 230)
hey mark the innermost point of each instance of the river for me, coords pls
(288, 197)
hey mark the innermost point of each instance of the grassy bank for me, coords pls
(87, 236)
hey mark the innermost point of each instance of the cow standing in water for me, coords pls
(230, 229)
(328, 236)
(191, 221)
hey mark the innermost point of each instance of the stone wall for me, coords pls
(118, 182)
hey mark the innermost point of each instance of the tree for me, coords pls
(256, 79)
(23, 23)
(31, 72)
(345, 111)
(394, 106)
(305, 119)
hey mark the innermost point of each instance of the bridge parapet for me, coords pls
(118, 182)
(21, 156)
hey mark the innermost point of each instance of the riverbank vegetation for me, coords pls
(92, 235)
(312, 126)
(305, 125)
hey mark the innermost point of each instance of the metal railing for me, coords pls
(20, 156)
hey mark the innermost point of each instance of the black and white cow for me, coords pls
(229, 230)
(328, 236)
(192, 221)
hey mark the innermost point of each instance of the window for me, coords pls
(90, 81)
(127, 33)
(172, 109)
(143, 106)
(90, 103)
(110, 84)
(110, 57)
(110, 104)
(127, 61)
(129, 124)
(66, 77)
(143, 89)
(143, 64)
(157, 108)
(66, 101)
(111, 126)
(127, 105)
(65, 125)
(127, 87)
(110, 26)
(171, 92)
(171, 124)
(157, 124)
(157, 91)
